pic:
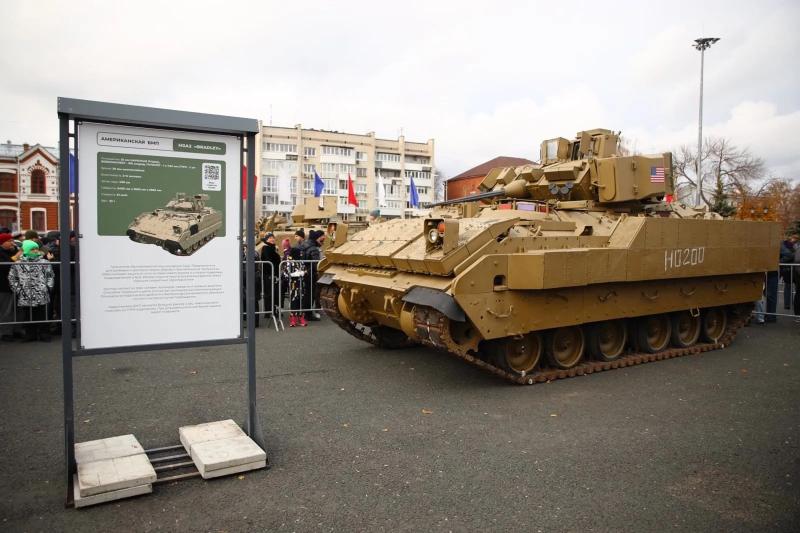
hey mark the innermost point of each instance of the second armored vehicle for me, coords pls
(181, 227)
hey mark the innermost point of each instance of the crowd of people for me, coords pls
(289, 275)
(29, 284)
(789, 273)
(30, 280)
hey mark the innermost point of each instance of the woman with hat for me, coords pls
(31, 279)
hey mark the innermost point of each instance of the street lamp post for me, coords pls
(701, 44)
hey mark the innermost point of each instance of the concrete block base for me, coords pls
(110, 496)
(221, 448)
(233, 469)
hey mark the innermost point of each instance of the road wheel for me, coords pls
(685, 329)
(606, 340)
(653, 333)
(518, 355)
(715, 320)
(565, 346)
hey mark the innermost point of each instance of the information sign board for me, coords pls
(160, 241)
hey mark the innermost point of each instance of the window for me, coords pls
(418, 175)
(308, 170)
(337, 150)
(269, 186)
(386, 156)
(361, 156)
(309, 151)
(361, 172)
(8, 218)
(8, 182)
(38, 220)
(330, 187)
(418, 159)
(277, 166)
(38, 183)
(332, 170)
(308, 186)
(280, 147)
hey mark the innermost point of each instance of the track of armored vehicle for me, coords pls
(573, 266)
(435, 336)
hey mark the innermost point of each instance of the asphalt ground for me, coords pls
(362, 439)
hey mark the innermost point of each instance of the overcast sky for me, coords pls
(483, 79)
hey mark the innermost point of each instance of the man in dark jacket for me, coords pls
(8, 254)
(271, 268)
(312, 253)
(787, 256)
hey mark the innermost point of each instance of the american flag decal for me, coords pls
(656, 174)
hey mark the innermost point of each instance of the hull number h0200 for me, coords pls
(683, 257)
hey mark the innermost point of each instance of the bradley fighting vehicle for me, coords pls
(181, 227)
(562, 268)
(309, 215)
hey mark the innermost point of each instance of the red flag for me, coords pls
(351, 192)
(244, 183)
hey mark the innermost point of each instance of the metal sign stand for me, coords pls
(75, 111)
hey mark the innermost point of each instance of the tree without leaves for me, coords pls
(729, 173)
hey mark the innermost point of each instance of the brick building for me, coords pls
(467, 182)
(28, 187)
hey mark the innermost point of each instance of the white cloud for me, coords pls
(482, 79)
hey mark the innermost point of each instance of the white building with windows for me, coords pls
(294, 154)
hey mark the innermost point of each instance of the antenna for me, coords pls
(270, 114)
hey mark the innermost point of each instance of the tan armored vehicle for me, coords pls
(309, 216)
(181, 227)
(567, 267)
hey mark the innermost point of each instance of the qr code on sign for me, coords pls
(212, 177)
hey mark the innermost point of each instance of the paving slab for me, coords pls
(109, 448)
(233, 469)
(222, 429)
(225, 453)
(107, 475)
(103, 497)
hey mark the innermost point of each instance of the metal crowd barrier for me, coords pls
(781, 288)
(270, 304)
(295, 289)
(16, 319)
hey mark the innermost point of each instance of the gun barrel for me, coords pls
(472, 198)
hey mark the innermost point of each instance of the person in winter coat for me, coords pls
(286, 245)
(31, 279)
(257, 289)
(796, 269)
(312, 252)
(9, 253)
(270, 276)
(294, 272)
(787, 256)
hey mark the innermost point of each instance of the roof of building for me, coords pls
(484, 168)
(9, 150)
